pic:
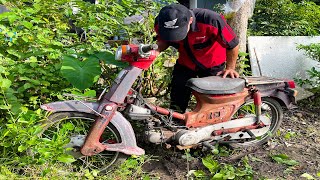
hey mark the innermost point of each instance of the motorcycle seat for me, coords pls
(216, 85)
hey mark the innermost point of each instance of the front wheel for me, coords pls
(72, 128)
(270, 108)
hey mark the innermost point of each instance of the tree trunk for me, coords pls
(239, 22)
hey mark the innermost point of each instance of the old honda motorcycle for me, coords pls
(241, 112)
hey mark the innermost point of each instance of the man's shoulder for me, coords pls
(206, 16)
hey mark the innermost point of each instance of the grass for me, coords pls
(130, 169)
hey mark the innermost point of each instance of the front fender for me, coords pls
(128, 138)
(72, 105)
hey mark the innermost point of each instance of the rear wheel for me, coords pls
(270, 108)
(72, 128)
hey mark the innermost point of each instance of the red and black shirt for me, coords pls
(208, 38)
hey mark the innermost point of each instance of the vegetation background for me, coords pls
(44, 43)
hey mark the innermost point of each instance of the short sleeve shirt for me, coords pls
(208, 38)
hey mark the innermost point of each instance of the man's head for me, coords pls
(174, 22)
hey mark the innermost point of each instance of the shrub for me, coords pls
(36, 42)
(285, 18)
(312, 51)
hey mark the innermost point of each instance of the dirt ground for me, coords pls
(298, 138)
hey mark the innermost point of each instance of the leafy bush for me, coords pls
(34, 39)
(312, 51)
(285, 18)
(38, 49)
(34, 36)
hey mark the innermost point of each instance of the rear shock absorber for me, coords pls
(257, 103)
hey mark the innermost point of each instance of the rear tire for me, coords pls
(73, 127)
(272, 109)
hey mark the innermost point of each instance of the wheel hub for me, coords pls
(76, 142)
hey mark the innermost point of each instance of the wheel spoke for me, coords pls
(75, 126)
(271, 109)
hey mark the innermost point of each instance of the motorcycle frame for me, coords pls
(106, 110)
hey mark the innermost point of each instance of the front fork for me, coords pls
(108, 112)
(127, 145)
(92, 145)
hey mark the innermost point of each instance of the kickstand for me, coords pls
(208, 145)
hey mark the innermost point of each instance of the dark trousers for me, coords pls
(180, 94)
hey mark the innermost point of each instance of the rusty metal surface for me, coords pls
(214, 109)
(255, 80)
(128, 143)
(72, 105)
(122, 85)
(128, 138)
(167, 112)
(274, 91)
(92, 145)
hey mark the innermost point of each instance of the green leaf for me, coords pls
(27, 85)
(12, 17)
(109, 58)
(22, 148)
(81, 74)
(284, 159)
(211, 164)
(215, 151)
(307, 176)
(218, 176)
(2, 69)
(4, 107)
(37, 130)
(199, 173)
(68, 126)
(289, 135)
(14, 53)
(66, 158)
(291, 162)
(5, 83)
(27, 24)
(90, 93)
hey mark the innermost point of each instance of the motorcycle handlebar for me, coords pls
(149, 47)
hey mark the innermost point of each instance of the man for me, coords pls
(206, 43)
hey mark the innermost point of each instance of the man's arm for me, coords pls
(232, 56)
(161, 47)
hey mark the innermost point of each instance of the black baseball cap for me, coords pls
(173, 22)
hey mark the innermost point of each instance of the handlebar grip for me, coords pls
(147, 48)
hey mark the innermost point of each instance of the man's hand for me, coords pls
(231, 72)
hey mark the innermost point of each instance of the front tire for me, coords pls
(73, 128)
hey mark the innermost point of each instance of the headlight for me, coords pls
(118, 53)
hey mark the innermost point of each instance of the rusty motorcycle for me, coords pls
(241, 112)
